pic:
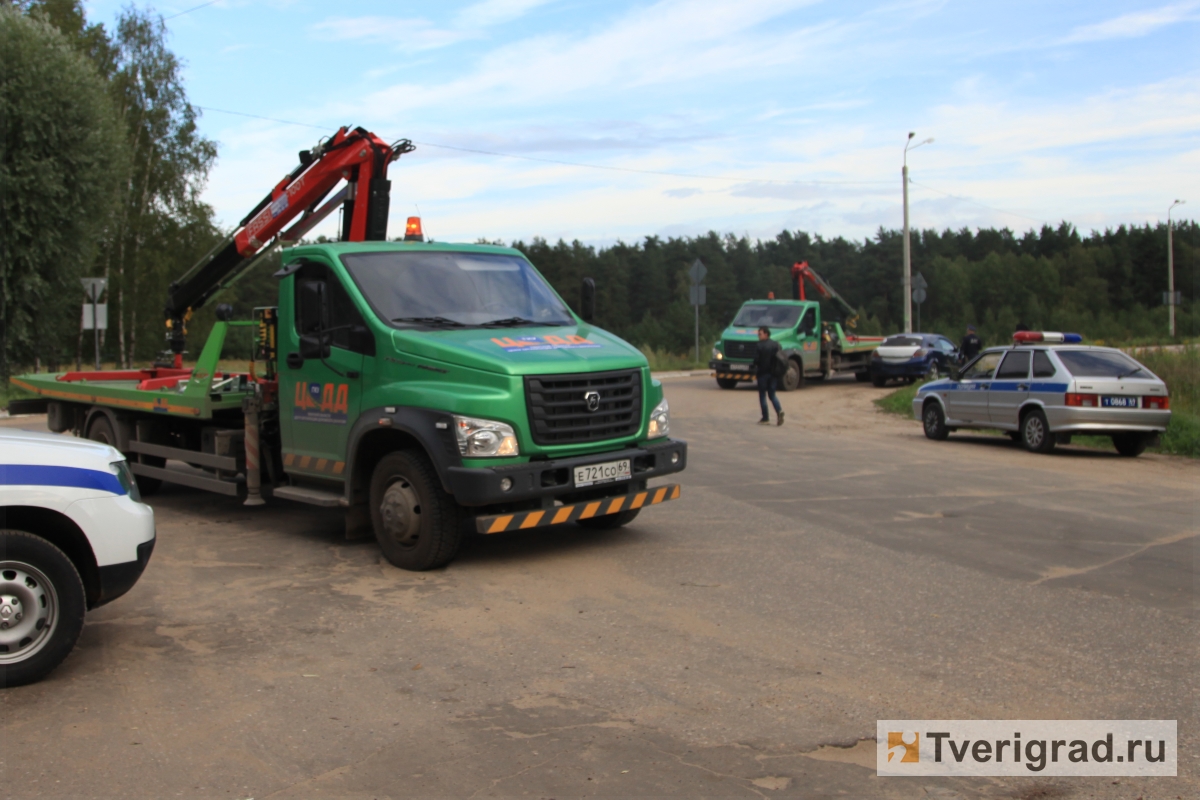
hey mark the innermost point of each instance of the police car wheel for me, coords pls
(610, 522)
(1035, 433)
(727, 383)
(42, 605)
(1130, 445)
(934, 421)
(416, 522)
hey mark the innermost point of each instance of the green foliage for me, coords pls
(900, 401)
(62, 158)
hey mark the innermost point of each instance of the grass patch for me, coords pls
(900, 401)
(662, 361)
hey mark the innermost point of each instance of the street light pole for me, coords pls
(908, 145)
(1171, 271)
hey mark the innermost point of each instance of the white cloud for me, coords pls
(403, 34)
(1135, 24)
(672, 41)
(495, 12)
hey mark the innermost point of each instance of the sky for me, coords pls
(614, 120)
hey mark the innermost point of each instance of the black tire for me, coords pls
(101, 430)
(878, 381)
(727, 383)
(416, 522)
(1130, 445)
(862, 376)
(1035, 432)
(610, 522)
(793, 379)
(934, 421)
(36, 574)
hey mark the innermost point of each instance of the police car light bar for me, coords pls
(1049, 337)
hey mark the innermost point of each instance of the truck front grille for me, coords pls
(735, 349)
(558, 406)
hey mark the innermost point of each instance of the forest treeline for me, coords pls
(1107, 285)
(102, 167)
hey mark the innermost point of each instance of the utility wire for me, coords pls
(577, 163)
(190, 10)
(977, 203)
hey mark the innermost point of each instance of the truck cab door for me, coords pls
(322, 347)
(808, 338)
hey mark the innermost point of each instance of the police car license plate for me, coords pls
(740, 367)
(608, 472)
(1119, 402)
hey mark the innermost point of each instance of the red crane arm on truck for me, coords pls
(357, 156)
(802, 271)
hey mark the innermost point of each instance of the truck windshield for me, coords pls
(753, 316)
(448, 289)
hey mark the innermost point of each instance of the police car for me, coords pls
(1046, 387)
(74, 535)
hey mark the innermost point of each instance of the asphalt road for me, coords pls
(737, 642)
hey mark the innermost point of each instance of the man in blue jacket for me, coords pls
(766, 356)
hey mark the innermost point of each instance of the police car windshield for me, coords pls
(448, 289)
(1100, 364)
(755, 316)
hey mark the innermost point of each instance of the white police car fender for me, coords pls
(75, 535)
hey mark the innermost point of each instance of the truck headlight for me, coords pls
(484, 438)
(660, 421)
(128, 481)
(718, 355)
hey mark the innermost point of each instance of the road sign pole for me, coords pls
(96, 331)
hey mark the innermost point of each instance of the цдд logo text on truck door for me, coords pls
(321, 402)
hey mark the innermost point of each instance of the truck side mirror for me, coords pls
(314, 308)
(587, 300)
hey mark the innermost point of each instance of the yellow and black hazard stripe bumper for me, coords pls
(737, 376)
(561, 515)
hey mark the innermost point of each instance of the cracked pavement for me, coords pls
(738, 642)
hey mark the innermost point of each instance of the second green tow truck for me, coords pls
(815, 348)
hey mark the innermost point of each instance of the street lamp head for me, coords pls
(911, 134)
(928, 141)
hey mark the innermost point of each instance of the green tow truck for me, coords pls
(816, 349)
(428, 389)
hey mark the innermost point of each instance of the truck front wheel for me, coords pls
(793, 379)
(727, 383)
(610, 522)
(415, 521)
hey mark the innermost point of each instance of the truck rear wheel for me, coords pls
(42, 607)
(101, 430)
(415, 520)
(793, 379)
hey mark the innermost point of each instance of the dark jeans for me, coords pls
(766, 388)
